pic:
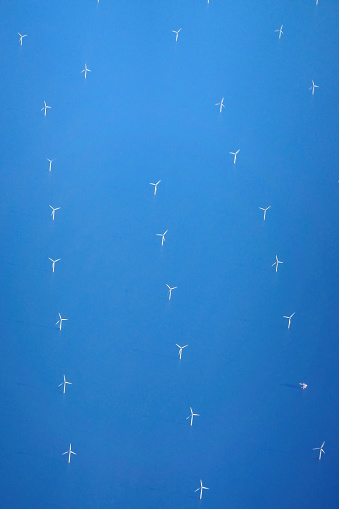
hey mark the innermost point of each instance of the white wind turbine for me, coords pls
(170, 290)
(69, 452)
(50, 163)
(321, 450)
(303, 385)
(221, 104)
(180, 349)
(162, 235)
(86, 70)
(45, 107)
(64, 384)
(265, 210)
(60, 321)
(313, 87)
(53, 211)
(54, 262)
(201, 488)
(21, 37)
(289, 319)
(235, 155)
(280, 31)
(276, 263)
(176, 32)
(155, 186)
(191, 416)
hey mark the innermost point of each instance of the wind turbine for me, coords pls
(180, 349)
(86, 70)
(276, 263)
(321, 450)
(265, 210)
(313, 87)
(200, 489)
(53, 211)
(60, 321)
(155, 186)
(54, 262)
(176, 32)
(45, 107)
(280, 31)
(170, 290)
(162, 235)
(235, 155)
(64, 384)
(302, 385)
(289, 319)
(69, 452)
(191, 416)
(21, 37)
(50, 163)
(221, 104)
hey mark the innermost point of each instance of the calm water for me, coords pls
(145, 113)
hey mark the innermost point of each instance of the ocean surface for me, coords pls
(147, 112)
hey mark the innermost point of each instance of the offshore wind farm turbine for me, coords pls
(191, 416)
(64, 384)
(60, 321)
(50, 163)
(180, 349)
(162, 235)
(86, 70)
(155, 186)
(201, 488)
(170, 290)
(265, 210)
(221, 104)
(21, 37)
(289, 319)
(176, 32)
(321, 449)
(69, 452)
(53, 211)
(235, 155)
(280, 31)
(276, 263)
(54, 262)
(313, 87)
(45, 107)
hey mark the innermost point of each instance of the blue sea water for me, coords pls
(146, 112)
